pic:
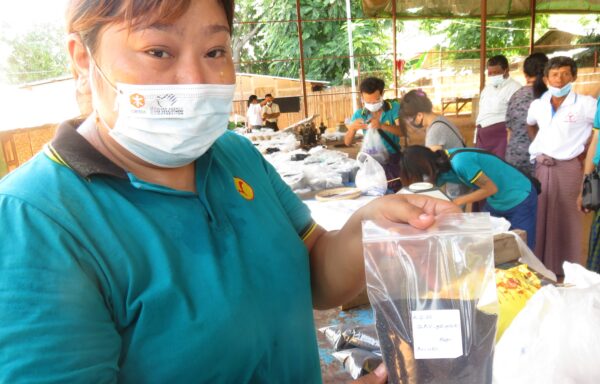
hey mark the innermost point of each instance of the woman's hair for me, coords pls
(87, 17)
(418, 161)
(534, 67)
(251, 99)
(413, 102)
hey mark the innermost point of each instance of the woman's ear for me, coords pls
(80, 67)
(80, 60)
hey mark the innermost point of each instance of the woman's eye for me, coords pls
(216, 53)
(158, 53)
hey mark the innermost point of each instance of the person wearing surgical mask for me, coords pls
(491, 132)
(270, 112)
(560, 126)
(383, 116)
(149, 244)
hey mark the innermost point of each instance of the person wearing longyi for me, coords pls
(491, 133)
(560, 124)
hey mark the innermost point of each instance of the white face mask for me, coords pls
(170, 125)
(560, 92)
(374, 107)
(496, 80)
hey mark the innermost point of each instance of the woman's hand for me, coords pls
(336, 258)
(486, 189)
(416, 210)
(378, 376)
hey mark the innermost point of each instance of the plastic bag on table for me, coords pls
(370, 178)
(514, 286)
(434, 296)
(352, 336)
(358, 362)
(555, 338)
(373, 146)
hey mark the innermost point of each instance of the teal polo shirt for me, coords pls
(467, 167)
(105, 278)
(596, 159)
(389, 117)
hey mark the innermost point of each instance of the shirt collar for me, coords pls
(569, 100)
(80, 155)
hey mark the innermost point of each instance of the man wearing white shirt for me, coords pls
(270, 112)
(560, 124)
(254, 113)
(491, 133)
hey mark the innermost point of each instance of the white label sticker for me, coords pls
(437, 334)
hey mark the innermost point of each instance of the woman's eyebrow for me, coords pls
(210, 29)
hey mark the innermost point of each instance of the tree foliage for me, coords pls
(39, 54)
(502, 37)
(274, 49)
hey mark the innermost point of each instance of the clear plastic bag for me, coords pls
(370, 178)
(358, 362)
(373, 146)
(352, 336)
(434, 296)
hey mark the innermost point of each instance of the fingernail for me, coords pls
(424, 216)
(380, 370)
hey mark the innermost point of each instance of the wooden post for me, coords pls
(482, 49)
(394, 45)
(532, 27)
(302, 75)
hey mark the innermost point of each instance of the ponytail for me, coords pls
(539, 87)
(442, 161)
(418, 161)
(533, 66)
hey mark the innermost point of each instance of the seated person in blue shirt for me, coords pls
(146, 243)
(382, 115)
(508, 192)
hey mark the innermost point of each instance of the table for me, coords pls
(331, 369)
(460, 102)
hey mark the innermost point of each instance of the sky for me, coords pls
(20, 15)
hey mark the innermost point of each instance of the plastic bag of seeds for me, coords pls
(434, 297)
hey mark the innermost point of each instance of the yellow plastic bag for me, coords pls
(514, 288)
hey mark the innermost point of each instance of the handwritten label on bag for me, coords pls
(437, 334)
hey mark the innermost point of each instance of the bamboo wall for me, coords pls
(333, 105)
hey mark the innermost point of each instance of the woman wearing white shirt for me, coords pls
(560, 124)
(253, 114)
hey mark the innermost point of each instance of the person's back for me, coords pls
(442, 132)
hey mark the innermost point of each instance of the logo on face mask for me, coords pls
(137, 100)
(244, 189)
(164, 105)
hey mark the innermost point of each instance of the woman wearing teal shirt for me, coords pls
(147, 244)
(507, 191)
